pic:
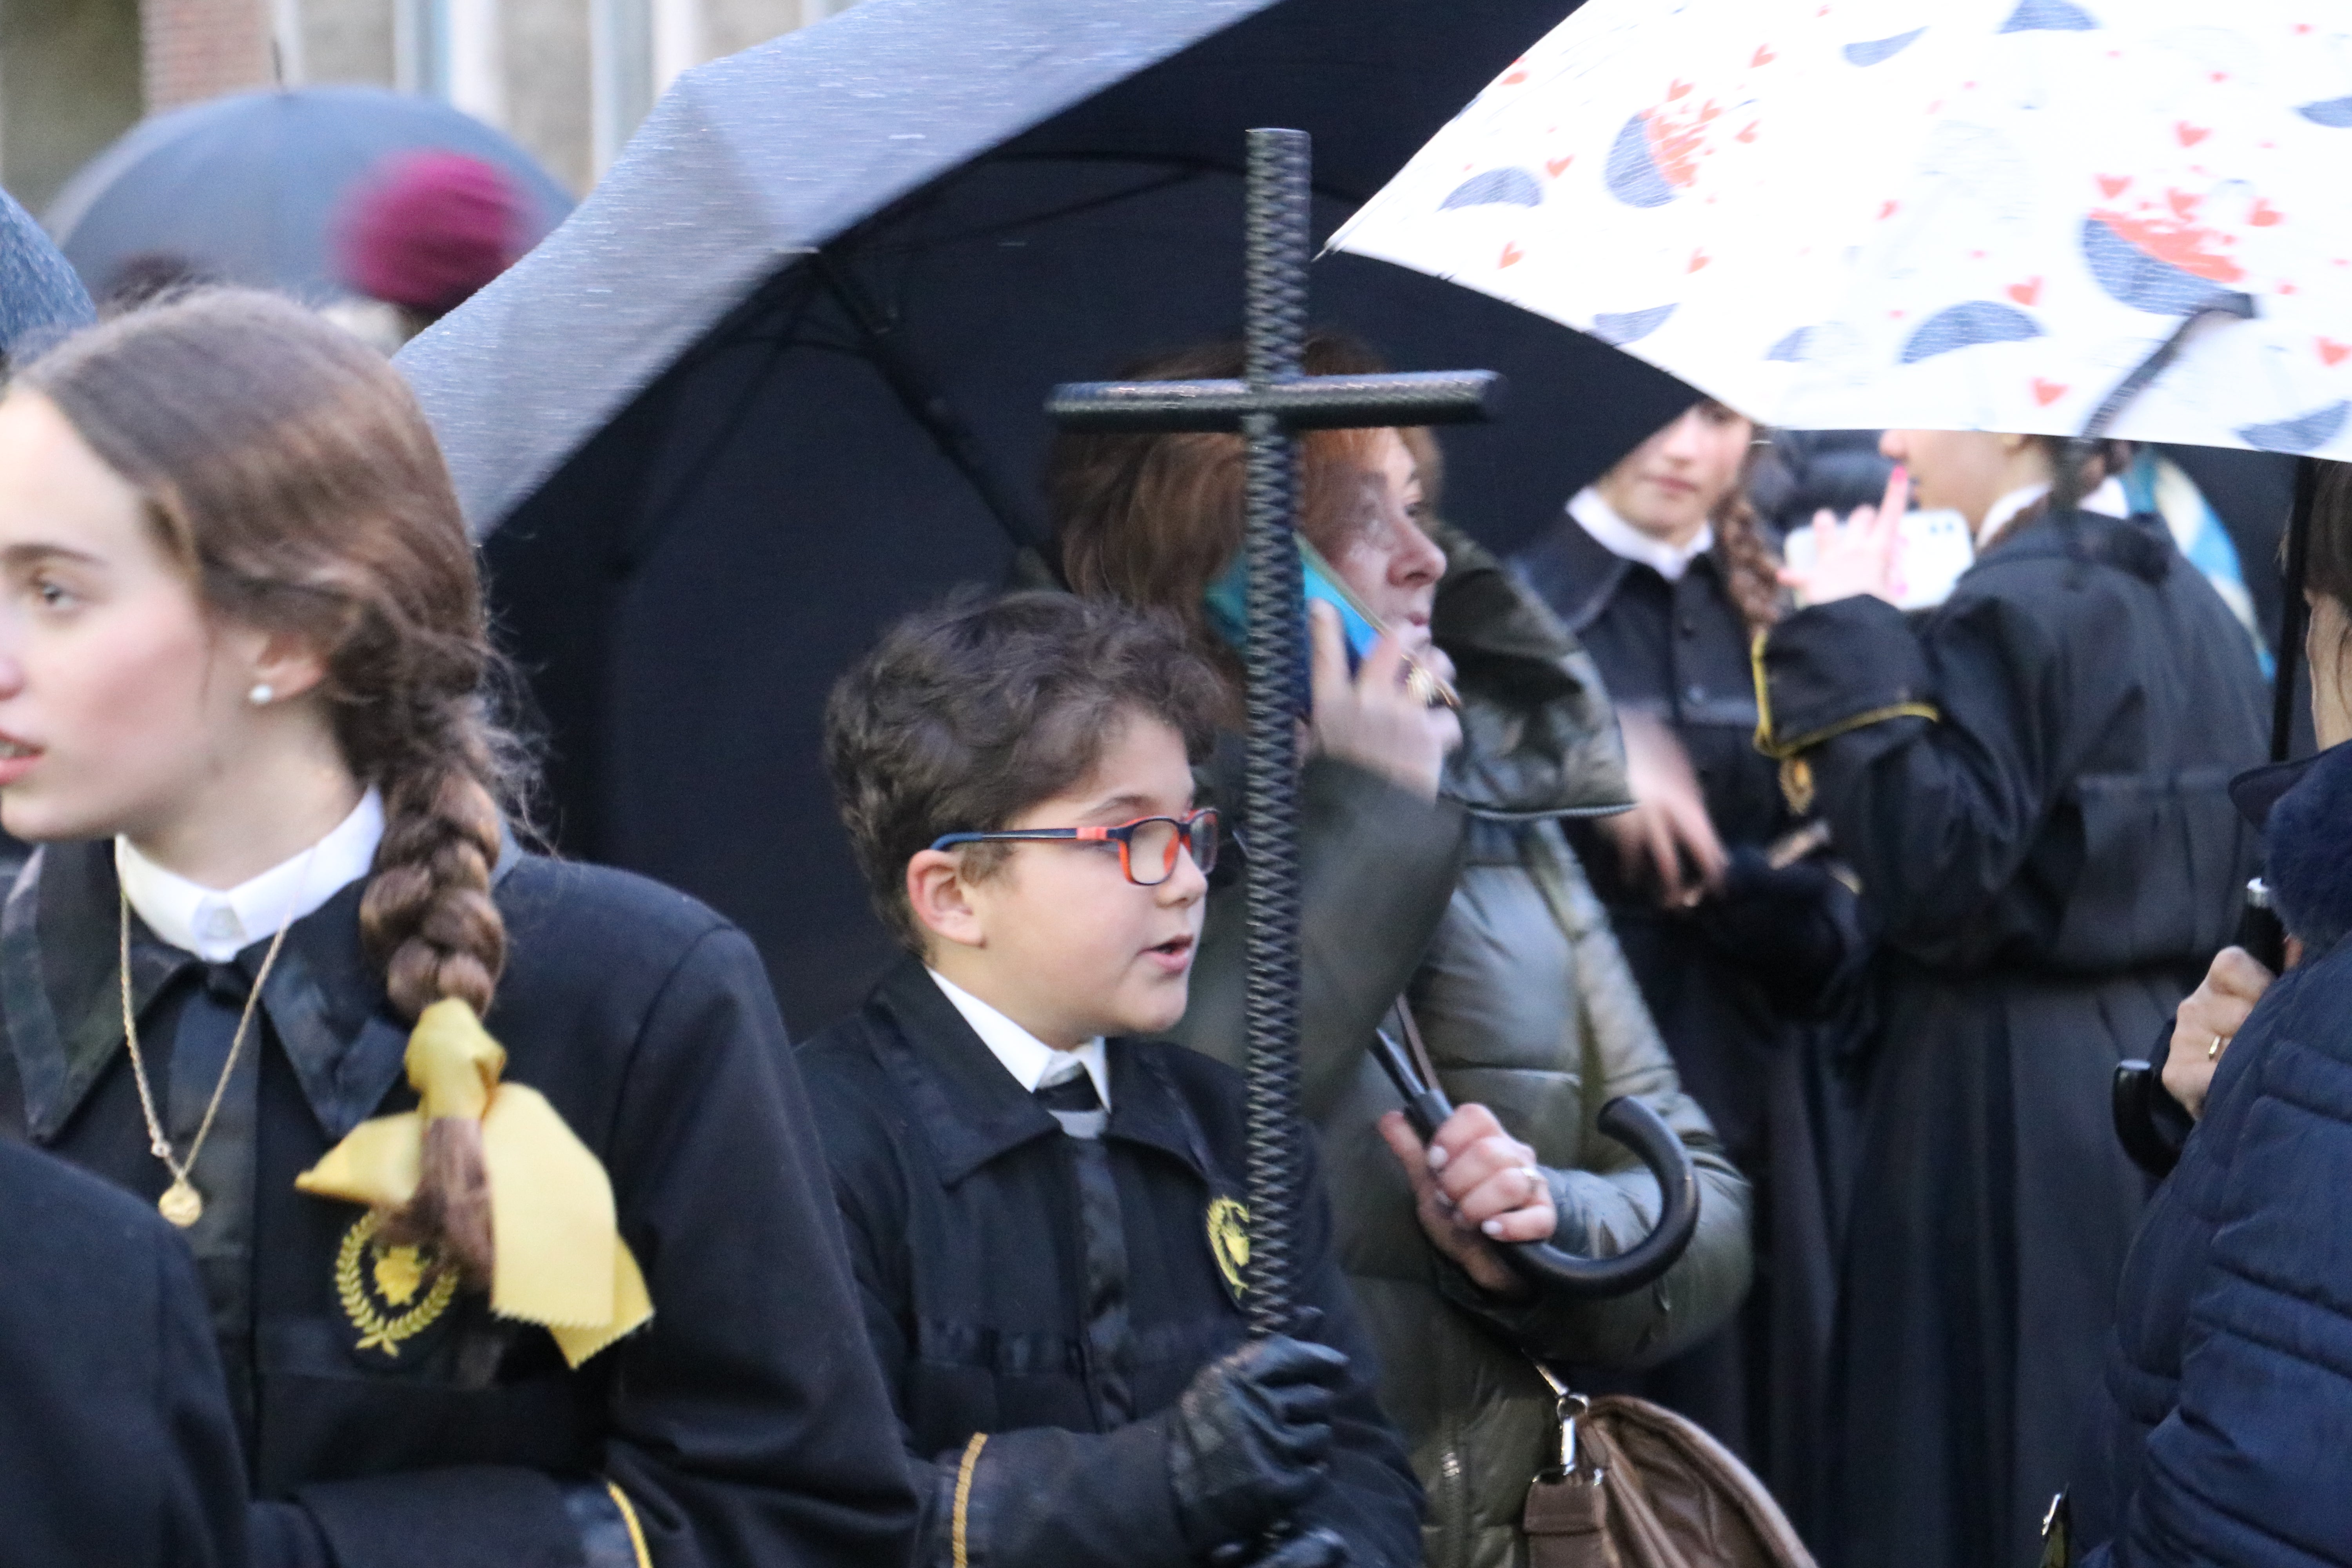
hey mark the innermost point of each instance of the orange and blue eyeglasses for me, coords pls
(1148, 846)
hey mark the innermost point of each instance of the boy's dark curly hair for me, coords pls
(969, 714)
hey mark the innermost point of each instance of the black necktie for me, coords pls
(1075, 1104)
(1079, 1109)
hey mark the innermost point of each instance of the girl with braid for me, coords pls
(1747, 945)
(497, 1173)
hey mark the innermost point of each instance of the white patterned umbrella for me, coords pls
(1934, 213)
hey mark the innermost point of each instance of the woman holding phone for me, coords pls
(2031, 782)
(1507, 970)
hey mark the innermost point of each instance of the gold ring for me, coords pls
(2213, 1051)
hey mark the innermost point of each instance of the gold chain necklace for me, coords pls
(181, 1203)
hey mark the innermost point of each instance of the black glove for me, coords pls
(1797, 930)
(1247, 1440)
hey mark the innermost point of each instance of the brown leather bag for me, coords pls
(1639, 1487)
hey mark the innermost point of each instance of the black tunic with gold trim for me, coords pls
(1054, 1292)
(390, 1420)
(2033, 783)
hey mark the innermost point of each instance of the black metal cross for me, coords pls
(1271, 406)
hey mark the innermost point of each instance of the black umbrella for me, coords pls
(781, 376)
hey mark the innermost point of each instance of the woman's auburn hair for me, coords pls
(286, 468)
(1154, 520)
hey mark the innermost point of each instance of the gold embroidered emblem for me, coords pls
(1229, 1241)
(376, 1282)
(1797, 784)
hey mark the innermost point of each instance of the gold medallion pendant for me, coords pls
(182, 1204)
(1229, 1242)
(391, 1294)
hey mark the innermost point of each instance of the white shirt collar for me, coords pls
(1032, 1063)
(2107, 500)
(1623, 539)
(217, 926)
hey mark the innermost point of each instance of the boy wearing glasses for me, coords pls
(1044, 1210)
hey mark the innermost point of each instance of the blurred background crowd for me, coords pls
(567, 79)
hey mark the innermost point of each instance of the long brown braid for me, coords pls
(1751, 572)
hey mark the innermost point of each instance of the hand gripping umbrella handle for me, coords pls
(1630, 1122)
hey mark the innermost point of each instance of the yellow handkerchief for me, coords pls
(558, 1259)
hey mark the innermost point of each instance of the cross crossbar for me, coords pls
(1301, 403)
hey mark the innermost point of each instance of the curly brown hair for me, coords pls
(965, 716)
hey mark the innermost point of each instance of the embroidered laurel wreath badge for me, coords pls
(1229, 1241)
(390, 1293)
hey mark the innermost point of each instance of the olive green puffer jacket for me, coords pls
(1528, 1007)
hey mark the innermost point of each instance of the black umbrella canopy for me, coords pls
(782, 376)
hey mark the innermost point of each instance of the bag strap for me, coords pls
(1566, 1516)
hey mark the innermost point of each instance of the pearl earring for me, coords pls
(261, 694)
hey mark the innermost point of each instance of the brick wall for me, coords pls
(196, 50)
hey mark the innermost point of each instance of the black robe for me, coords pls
(1756, 1048)
(116, 1445)
(1056, 1293)
(745, 1424)
(2033, 783)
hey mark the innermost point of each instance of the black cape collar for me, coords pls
(1584, 560)
(1571, 555)
(971, 1109)
(2140, 544)
(58, 985)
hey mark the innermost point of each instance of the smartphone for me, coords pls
(1227, 603)
(1932, 549)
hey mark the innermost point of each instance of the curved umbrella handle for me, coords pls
(1633, 1123)
(1630, 1121)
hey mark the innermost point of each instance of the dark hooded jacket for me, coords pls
(2230, 1385)
(1528, 1007)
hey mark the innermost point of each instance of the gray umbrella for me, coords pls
(40, 298)
(782, 375)
(248, 188)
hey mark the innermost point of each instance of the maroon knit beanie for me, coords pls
(426, 229)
